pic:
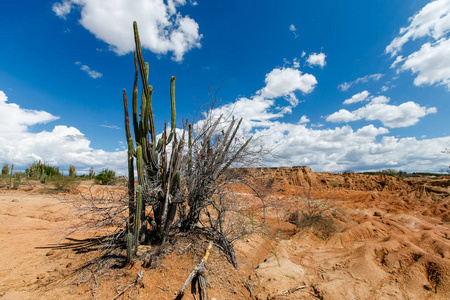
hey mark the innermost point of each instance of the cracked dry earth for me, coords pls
(391, 240)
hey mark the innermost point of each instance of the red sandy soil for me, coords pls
(391, 241)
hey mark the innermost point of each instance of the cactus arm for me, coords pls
(129, 247)
(131, 200)
(140, 165)
(137, 225)
(135, 101)
(172, 106)
(144, 77)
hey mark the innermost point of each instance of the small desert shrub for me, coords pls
(105, 176)
(316, 215)
(64, 183)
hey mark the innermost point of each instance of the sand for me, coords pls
(391, 241)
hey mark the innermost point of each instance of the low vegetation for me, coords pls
(106, 176)
(318, 216)
(64, 183)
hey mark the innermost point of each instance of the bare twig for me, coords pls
(138, 280)
(249, 288)
(294, 289)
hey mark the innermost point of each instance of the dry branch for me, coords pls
(197, 275)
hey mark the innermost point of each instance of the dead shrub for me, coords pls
(317, 215)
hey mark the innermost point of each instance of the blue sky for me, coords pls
(335, 85)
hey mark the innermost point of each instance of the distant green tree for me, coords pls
(5, 169)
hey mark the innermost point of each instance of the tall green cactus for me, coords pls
(167, 176)
(155, 168)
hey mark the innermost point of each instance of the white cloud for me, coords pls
(431, 62)
(432, 20)
(343, 148)
(403, 115)
(62, 146)
(62, 9)
(342, 115)
(110, 126)
(398, 60)
(91, 73)
(296, 63)
(316, 59)
(294, 30)
(304, 120)
(283, 82)
(14, 119)
(346, 85)
(339, 148)
(357, 97)
(162, 29)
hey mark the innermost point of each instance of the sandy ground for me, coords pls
(391, 241)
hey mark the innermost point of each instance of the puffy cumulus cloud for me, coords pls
(62, 9)
(347, 85)
(62, 146)
(343, 148)
(339, 148)
(14, 119)
(342, 115)
(262, 109)
(161, 27)
(357, 97)
(284, 82)
(431, 62)
(255, 112)
(392, 116)
(316, 59)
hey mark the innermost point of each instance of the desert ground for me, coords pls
(388, 238)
